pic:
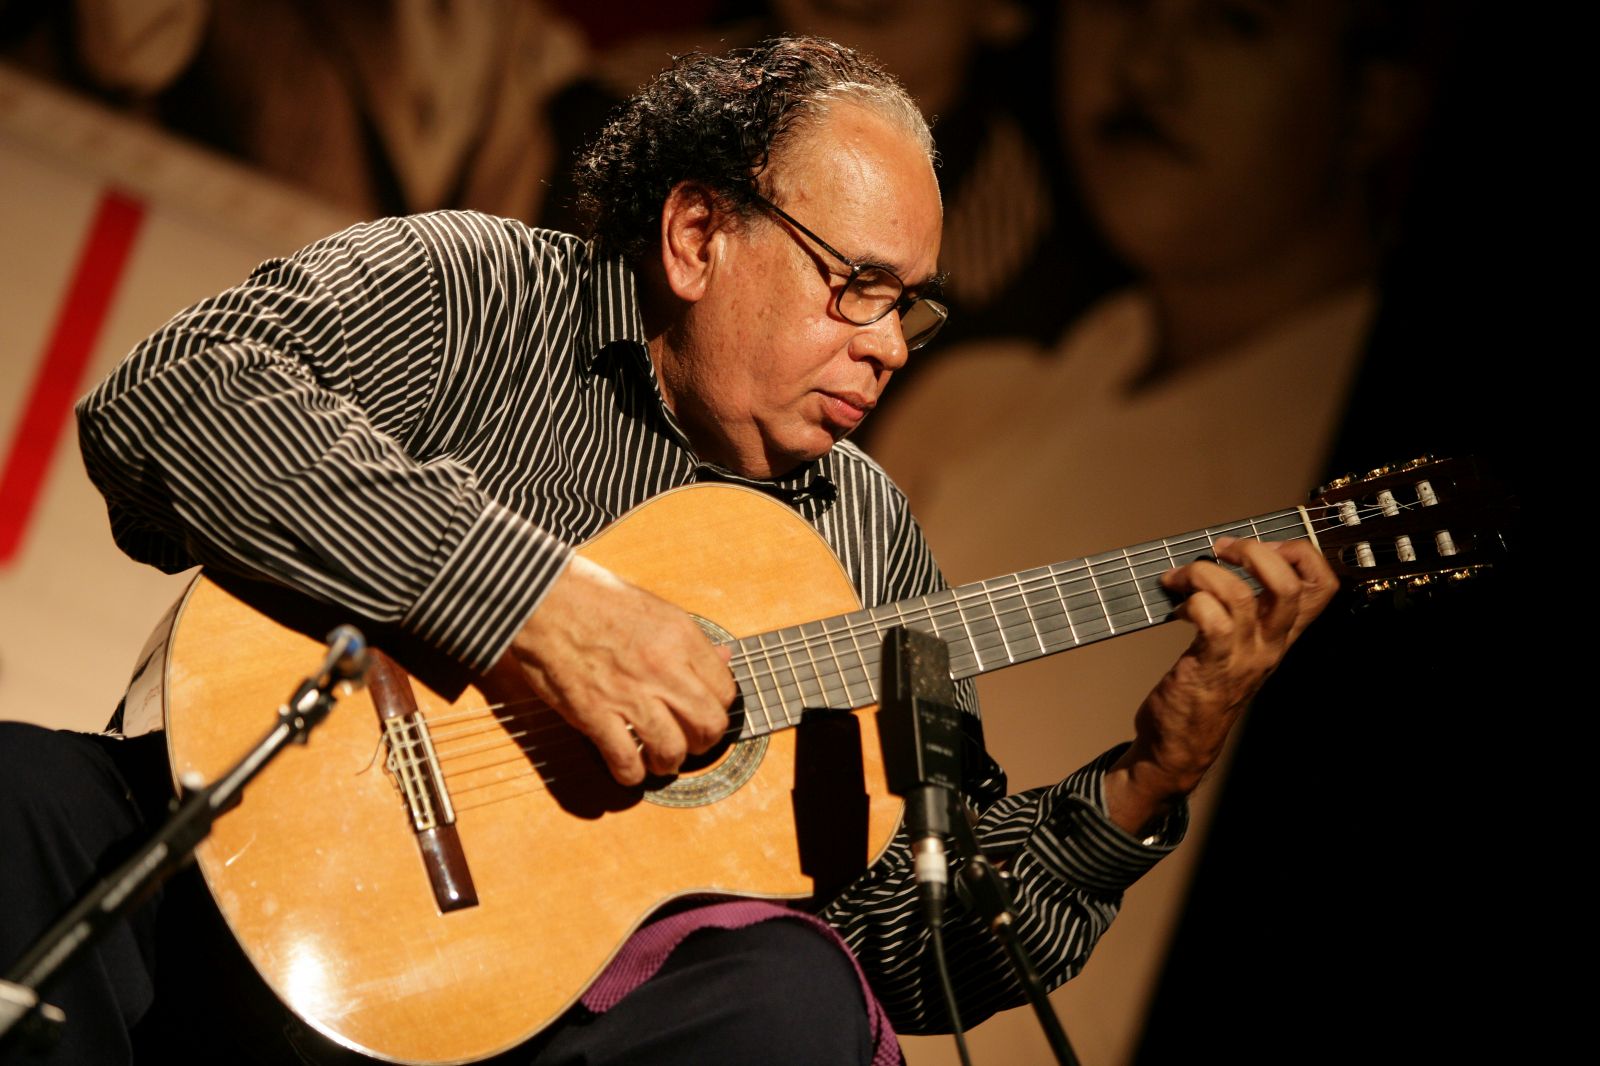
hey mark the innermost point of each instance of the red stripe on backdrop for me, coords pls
(72, 341)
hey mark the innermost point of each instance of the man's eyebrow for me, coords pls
(932, 286)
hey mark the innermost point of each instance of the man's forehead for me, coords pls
(867, 187)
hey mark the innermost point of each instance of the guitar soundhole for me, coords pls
(717, 773)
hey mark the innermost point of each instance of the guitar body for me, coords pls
(318, 872)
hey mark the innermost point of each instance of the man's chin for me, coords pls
(786, 460)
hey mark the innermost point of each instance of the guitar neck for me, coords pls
(833, 663)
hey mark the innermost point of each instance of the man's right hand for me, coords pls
(626, 669)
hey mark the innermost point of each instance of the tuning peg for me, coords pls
(1343, 481)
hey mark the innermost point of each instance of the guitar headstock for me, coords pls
(1413, 526)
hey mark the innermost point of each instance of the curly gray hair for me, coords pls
(720, 120)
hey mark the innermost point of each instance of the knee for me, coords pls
(52, 778)
(802, 999)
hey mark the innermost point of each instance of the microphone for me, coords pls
(919, 728)
(346, 661)
(347, 658)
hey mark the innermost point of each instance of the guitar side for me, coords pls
(318, 872)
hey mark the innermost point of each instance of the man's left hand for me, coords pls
(1240, 638)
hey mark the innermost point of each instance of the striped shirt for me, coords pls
(416, 419)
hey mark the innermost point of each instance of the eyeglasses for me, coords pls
(873, 291)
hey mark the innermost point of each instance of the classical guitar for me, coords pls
(446, 866)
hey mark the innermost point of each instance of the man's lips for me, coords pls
(846, 409)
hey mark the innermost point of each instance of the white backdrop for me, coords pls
(74, 611)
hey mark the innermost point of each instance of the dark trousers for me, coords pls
(170, 985)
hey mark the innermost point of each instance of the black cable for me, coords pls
(934, 906)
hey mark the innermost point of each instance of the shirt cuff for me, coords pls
(487, 588)
(1078, 842)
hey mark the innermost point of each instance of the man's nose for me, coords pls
(883, 342)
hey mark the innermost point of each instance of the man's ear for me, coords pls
(691, 229)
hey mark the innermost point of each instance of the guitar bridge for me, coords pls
(416, 769)
(415, 766)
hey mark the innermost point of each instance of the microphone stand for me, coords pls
(985, 888)
(100, 907)
(919, 728)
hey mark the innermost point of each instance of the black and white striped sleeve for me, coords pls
(271, 431)
(1069, 863)
(1070, 866)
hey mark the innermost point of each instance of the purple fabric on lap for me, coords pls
(646, 951)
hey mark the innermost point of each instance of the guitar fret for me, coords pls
(805, 670)
(899, 619)
(1166, 546)
(827, 658)
(815, 671)
(1137, 587)
(882, 618)
(955, 632)
(872, 653)
(1120, 590)
(859, 692)
(1043, 606)
(1085, 608)
(1099, 596)
(1243, 528)
(749, 692)
(1021, 582)
(1066, 611)
(1017, 623)
(769, 674)
(948, 625)
(791, 707)
(1000, 629)
(1016, 620)
(1150, 561)
(966, 629)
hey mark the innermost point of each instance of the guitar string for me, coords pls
(938, 605)
(831, 639)
(951, 602)
(464, 743)
(458, 752)
(945, 603)
(946, 608)
(552, 754)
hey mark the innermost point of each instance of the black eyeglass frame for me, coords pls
(902, 303)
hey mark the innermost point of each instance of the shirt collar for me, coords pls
(807, 486)
(612, 317)
(611, 306)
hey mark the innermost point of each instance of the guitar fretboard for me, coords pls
(834, 663)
